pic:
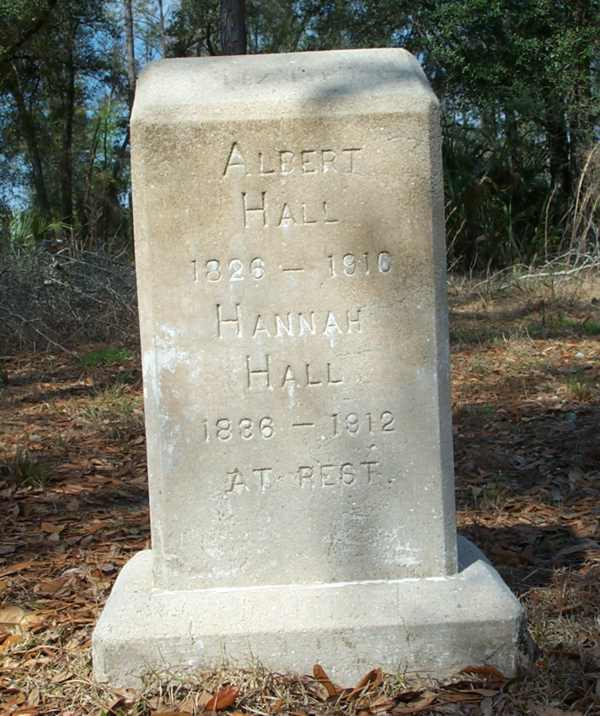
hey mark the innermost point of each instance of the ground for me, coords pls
(526, 402)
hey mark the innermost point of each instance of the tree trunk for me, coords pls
(33, 150)
(84, 199)
(232, 26)
(121, 153)
(130, 52)
(559, 151)
(66, 161)
(582, 122)
(131, 76)
(161, 27)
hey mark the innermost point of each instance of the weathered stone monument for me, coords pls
(291, 274)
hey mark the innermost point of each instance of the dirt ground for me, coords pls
(526, 402)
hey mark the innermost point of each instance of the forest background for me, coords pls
(518, 80)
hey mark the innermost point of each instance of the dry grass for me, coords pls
(114, 411)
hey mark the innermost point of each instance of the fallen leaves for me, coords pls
(325, 681)
(485, 682)
(223, 699)
(49, 587)
(370, 682)
(51, 528)
(15, 623)
(8, 640)
(490, 674)
(18, 618)
(372, 679)
(553, 711)
(421, 703)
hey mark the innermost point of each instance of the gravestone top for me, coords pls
(290, 259)
(241, 88)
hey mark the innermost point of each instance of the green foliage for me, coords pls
(113, 412)
(26, 470)
(557, 324)
(110, 355)
(18, 19)
(59, 72)
(519, 87)
(591, 328)
(518, 82)
(581, 387)
(584, 328)
(28, 228)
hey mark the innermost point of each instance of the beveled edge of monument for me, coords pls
(275, 86)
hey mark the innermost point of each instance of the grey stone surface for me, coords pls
(291, 277)
(295, 357)
(433, 625)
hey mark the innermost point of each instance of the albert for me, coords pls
(283, 162)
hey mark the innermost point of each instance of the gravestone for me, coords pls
(291, 278)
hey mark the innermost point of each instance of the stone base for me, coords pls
(432, 626)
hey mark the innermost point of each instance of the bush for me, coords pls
(57, 300)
